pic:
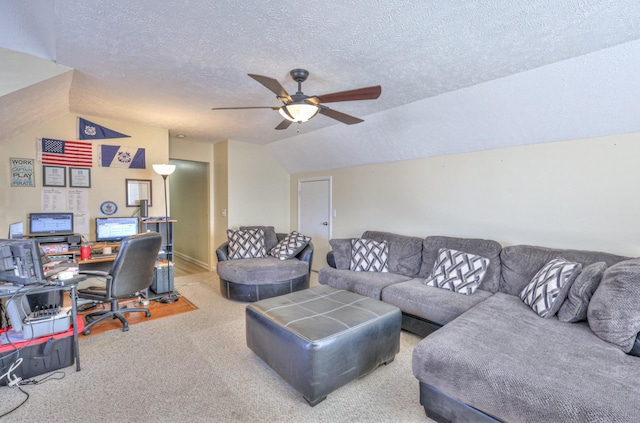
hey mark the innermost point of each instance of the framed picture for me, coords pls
(138, 189)
(79, 177)
(22, 172)
(54, 176)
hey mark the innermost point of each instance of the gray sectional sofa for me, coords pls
(489, 356)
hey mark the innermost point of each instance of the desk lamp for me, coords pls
(165, 170)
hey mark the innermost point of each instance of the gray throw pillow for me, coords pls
(290, 246)
(549, 287)
(614, 311)
(341, 248)
(574, 308)
(246, 244)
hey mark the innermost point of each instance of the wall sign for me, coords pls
(22, 172)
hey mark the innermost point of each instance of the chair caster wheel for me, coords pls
(86, 332)
(147, 314)
(125, 329)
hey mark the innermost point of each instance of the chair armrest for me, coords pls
(331, 259)
(94, 273)
(306, 254)
(223, 252)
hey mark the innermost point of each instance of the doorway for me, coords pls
(189, 197)
(314, 216)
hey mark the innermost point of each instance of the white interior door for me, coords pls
(314, 216)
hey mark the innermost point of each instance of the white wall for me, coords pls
(106, 183)
(573, 194)
(258, 188)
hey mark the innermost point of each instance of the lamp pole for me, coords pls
(165, 170)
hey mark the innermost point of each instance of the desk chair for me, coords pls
(131, 272)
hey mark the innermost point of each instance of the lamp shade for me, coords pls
(299, 112)
(164, 169)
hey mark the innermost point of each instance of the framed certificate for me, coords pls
(138, 189)
(54, 176)
(79, 177)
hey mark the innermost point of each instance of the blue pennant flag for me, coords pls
(118, 156)
(90, 131)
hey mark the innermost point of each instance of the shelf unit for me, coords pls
(163, 280)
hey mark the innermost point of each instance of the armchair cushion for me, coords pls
(244, 244)
(270, 236)
(290, 246)
(265, 270)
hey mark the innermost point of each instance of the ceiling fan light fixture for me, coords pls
(299, 112)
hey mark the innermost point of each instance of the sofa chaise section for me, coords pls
(502, 359)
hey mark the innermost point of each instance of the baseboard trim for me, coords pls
(191, 260)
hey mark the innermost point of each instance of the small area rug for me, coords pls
(158, 310)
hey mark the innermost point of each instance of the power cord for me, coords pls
(49, 377)
(15, 380)
(19, 405)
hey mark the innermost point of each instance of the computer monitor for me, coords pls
(113, 229)
(16, 230)
(20, 261)
(42, 224)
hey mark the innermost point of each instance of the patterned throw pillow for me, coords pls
(549, 287)
(457, 271)
(290, 246)
(369, 256)
(244, 244)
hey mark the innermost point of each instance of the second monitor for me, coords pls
(113, 229)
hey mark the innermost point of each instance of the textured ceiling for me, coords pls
(167, 64)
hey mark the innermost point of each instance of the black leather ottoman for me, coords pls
(322, 338)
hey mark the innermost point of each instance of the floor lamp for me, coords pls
(165, 170)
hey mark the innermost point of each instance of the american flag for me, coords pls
(67, 153)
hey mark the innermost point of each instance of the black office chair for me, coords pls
(131, 272)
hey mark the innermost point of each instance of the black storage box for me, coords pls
(163, 280)
(37, 361)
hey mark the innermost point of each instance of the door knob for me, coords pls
(325, 223)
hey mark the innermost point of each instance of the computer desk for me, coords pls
(97, 258)
(70, 286)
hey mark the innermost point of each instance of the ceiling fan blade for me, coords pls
(368, 93)
(342, 117)
(284, 124)
(250, 107)
(273, 85)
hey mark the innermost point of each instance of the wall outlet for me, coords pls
(224, 212)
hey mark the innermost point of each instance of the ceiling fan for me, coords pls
(300, 107)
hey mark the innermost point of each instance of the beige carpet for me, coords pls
(195, 367)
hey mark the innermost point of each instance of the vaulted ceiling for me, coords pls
(455, 76)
